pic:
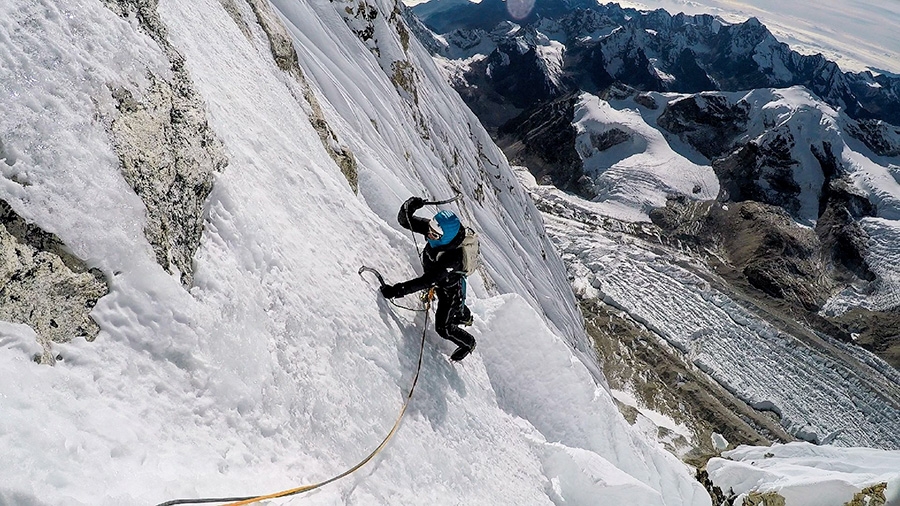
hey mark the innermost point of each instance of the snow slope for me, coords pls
(281, 366)
(635, 176)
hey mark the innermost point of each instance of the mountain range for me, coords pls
(646, 50)
(706, 86)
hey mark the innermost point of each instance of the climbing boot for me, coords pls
(462, 352)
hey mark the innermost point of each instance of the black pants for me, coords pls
(451, 309)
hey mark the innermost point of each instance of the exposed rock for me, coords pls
(609, 138)
(625, 59)
(646, 100)
(882, 138)
(762, 171)
(44, 286)
(709, 123)
(280, 42)
(233, 10)
(876, 331)
(148, 19)
(775, 255)
(404, 79)
(715, 493)
(840, 207)
(168, 153)
(360, 18)
(763, 499)
(544, 141)
(870, 496)
(519, 76)
(169, 156)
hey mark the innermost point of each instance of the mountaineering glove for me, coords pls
(390, 291)
(414, 203)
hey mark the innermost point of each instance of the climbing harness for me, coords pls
(427, 298)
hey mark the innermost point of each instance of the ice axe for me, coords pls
(447, 201)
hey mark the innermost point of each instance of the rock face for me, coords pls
(708, 122)
(882, 138)
(169, 157)
(168, 153)
(775, 255)
(43, 286)
(544, 141)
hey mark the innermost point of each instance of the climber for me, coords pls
(444, 269)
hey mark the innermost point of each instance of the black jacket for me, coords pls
(442, 266)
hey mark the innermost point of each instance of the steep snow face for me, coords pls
(279, 365)
(550, 53)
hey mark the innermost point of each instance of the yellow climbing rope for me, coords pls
(426, 298)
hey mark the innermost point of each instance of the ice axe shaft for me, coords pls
(373, 271)
(447, 201)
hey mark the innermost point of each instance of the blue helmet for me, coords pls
(447, 225)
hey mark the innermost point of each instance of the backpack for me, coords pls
(470, 251)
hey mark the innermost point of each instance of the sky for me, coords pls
(281, 366)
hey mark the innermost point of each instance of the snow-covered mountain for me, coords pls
(858, 35)
(189, 189)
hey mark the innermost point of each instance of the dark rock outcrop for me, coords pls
(708, 122)
(544, 141)
(762, 242)
(44, 286)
